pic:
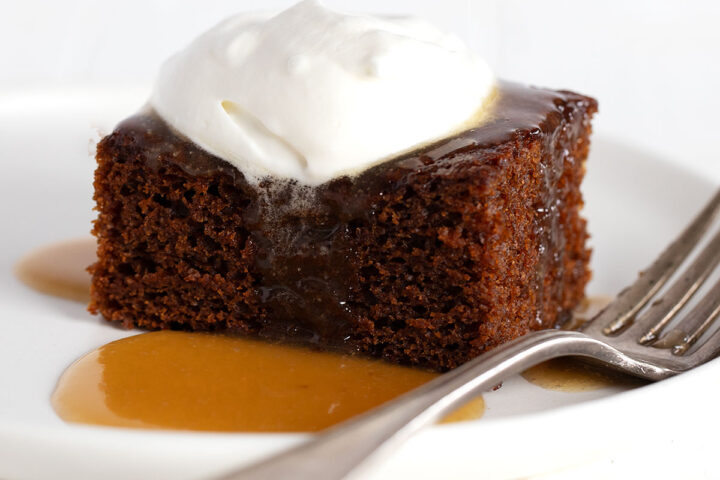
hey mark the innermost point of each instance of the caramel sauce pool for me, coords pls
(571, 375)
(60, 269)
(568, 374)
(196, 381)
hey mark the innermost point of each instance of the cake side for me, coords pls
(173, 251)
(502, 250)
(429, 259)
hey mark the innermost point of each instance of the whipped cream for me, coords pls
(311, 94)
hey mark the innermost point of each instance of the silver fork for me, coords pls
(622, 336)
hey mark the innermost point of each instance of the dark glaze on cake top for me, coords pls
(516, 110)
(309, 246)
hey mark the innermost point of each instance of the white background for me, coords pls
(653, 65)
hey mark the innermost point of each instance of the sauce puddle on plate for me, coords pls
(572, 375)
(197, 381)
(60, 269)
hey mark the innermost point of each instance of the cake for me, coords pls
(428, 258)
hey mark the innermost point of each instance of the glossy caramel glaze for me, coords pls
(60, 269)
(195, 381)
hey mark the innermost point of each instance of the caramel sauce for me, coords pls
(60, 269)
(588, 308)
(196, 381)
(573, 375)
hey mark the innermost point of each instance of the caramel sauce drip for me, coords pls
(196, 381)
(573, 375)
(60, 269)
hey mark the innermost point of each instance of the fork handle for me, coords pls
(334, 453)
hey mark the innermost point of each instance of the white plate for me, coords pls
(635, 205)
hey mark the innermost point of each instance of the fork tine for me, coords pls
(629, 302)
(661, 312)
(709, 349)
(698, 320)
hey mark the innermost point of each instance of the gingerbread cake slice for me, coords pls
(429, 258)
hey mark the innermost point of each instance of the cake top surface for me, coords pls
(517, 112)
(312, 94)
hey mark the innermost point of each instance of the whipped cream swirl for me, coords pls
(311, 94)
